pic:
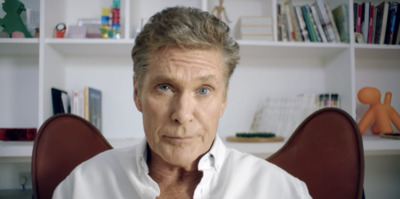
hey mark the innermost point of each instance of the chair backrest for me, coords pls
(62, 143)
(325, 152)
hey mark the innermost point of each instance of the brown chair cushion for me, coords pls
(326, 152)
(62, 143)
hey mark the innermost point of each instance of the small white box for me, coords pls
(76, 31)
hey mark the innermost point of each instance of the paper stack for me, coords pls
(255, 28)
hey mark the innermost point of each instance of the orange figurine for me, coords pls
(382, 114)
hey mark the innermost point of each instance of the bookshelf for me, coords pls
(267, 68)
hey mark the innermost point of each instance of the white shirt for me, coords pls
(227, 173)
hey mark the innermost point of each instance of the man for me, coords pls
(183, 60)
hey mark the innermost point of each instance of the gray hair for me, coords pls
(187, 28)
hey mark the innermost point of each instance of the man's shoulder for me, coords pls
(254, 166)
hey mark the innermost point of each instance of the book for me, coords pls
(77, 103)
(325, 21)
(365, 21)
(309, 24)
(255, 28)
(255, 20)
(371, 23)
(295, 22)
(289, 22)
(302, 24)
(358, 16)
(340, 13)
(332, 19)
(396, 27)
(317, 33)
(318, 24)
(87, 103)
(391, 22)
(374, 25)
(284, 24)
(398, 36)
(384, 23)
(380, 22)
(60, 101)
(92, 106)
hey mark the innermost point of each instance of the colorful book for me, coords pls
(309, 24)
(318, 24)
(325, 20)
(302, 24)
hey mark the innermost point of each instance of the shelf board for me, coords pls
(290, 49)
(377, 51)
(20, 46)
(92, 46)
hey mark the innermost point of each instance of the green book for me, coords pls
(341, 16)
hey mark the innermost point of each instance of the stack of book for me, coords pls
(255, 28)
(315, 22)
(86, 103)
(377, 23)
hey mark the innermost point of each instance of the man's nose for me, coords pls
(182, 108)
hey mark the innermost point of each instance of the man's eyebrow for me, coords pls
(208, 78)
(162, 78)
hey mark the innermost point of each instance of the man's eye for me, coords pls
(163, 87)
(204, 91)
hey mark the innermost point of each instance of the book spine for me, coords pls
(295, 22)
(95, 116)
(325, 21)
(302, 24)
(319, 29)
(340, 14)
(378, 22)
(384, 23)
(391, 24)
(309, 24)
(333, 22)
(288, 23)
(365, 22)
(371, 24)
(359, 17)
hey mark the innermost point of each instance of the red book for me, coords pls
(359, 17)
(371, 23)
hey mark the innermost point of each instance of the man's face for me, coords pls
(182, 98)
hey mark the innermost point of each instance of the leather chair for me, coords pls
(326, 152)
(62, 142)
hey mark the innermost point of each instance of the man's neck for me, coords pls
(174, 181)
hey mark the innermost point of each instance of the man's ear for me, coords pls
(136, 96)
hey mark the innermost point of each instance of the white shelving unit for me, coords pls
(30, 67)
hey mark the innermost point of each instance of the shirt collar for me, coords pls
(141, 157)
(213, 159)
